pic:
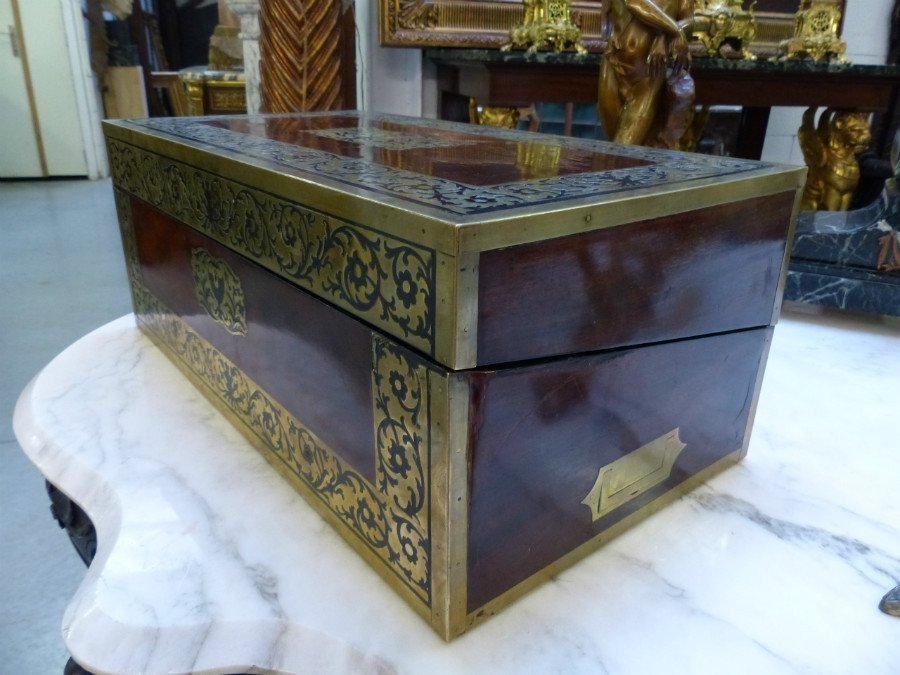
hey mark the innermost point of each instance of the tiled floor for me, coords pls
(61, 276)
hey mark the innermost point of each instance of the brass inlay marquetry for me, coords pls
(384, 280)
(219, 291)
(391, 516)
(634, 474)
(402, 439)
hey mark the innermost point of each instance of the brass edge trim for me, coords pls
(382, 212)
(465, 354)
(757, 388)
(29, 88)
(458, 533)
(635, 206)
(440, 501)
(786, 260)
(554, 568)
(445, 302)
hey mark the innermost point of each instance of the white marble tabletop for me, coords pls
(208, 562)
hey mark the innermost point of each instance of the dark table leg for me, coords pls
(890, 603)
(76, 523)
(752, 134)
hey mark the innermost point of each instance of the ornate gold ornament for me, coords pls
(547, 24)
(219, 291)
(724, 23)
(634, 474)
(493, 116)
(830, 150)
(816, 33)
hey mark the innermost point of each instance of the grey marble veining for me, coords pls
(208, 562)
(850, 259)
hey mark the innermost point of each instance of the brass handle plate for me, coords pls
(634, 474)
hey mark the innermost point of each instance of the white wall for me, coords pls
(867, 25)
(388, 79)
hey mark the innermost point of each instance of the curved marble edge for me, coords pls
(209, 563)
(87, 475)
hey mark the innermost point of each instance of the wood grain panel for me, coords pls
(700, 272)
(540, 434)
(312, 358)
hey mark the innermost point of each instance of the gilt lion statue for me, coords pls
(830, 150)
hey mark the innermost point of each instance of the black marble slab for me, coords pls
(698, 64)
(850, 259)
(843, 288)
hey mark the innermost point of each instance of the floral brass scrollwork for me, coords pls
(391, 516)
(383, 280)
(401, 437)
(219, 291)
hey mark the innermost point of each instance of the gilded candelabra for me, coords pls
(816, 34)
(547, 24)
(724, 23)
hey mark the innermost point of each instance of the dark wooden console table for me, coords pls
(514, 79)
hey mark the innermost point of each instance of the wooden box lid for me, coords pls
(473, 245)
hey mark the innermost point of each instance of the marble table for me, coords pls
(207, 562)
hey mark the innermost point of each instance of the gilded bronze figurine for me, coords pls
(830, 151)
(638, 103)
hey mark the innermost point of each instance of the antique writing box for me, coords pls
(477, 353)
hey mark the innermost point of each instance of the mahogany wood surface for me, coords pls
(695, 273)
(540, 434)
(313, 359)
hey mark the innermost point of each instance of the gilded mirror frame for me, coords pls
(486, 23)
